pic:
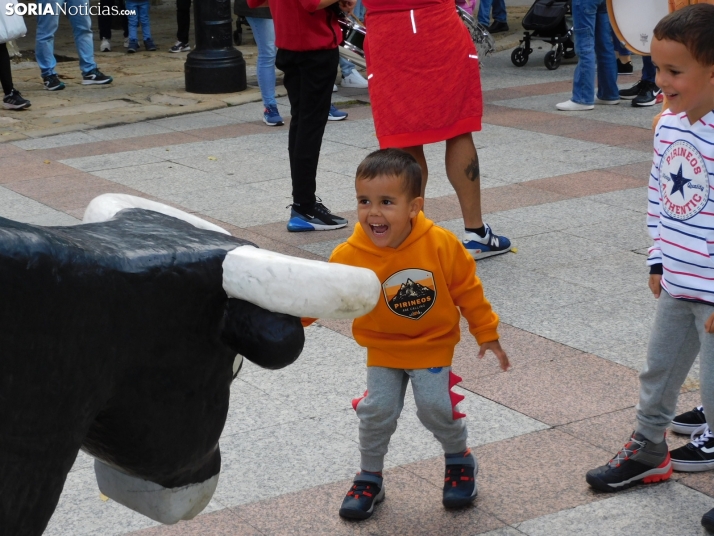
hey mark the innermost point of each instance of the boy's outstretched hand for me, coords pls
(495, 347)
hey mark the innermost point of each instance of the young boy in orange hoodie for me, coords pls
(427, 277)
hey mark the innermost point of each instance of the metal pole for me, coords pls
(214, 65)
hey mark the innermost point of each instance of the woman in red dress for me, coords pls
(425, 87)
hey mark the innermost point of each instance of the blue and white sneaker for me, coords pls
(488, 246)
(271, 117)
(315, 218)
(335, 114)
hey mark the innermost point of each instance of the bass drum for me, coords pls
(634, 21)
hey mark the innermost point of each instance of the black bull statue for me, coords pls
(119, 339)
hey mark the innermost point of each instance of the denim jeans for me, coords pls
(359, 10)
(264, 35)
(346, 67)
(621, 49)
(593, 45)
(141, 18)
(81, 28)
(648, 69)
(484, 11)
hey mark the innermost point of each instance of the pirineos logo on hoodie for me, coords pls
(410, 293)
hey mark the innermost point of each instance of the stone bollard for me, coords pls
(214, 65)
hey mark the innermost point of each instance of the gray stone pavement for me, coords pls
(568, 188)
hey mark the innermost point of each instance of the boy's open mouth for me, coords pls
(378, 229)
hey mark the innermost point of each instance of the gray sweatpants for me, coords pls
(379, 410)
(677, 337)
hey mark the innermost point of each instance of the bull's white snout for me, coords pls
(299, 287)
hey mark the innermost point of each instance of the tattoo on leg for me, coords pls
(473, 173)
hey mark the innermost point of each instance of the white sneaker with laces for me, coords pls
(106, 46)
(354, 80)
(570, 106)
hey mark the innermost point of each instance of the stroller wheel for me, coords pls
(519, 57)
(552, 60)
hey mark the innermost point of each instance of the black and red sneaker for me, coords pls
(640, 461)
(366, 491)
(460, 480)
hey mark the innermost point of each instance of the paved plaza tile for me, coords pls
(568, 188)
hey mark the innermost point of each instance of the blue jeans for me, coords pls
(81, 28)
(141, 18)
(484, 11)
(621, 49)
(648, 69)
(359, 10)
(346, 67)
(593, 45)
(264, 35)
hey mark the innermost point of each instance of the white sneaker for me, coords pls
(126, 42)
(106, 46)
(355, 80)
(600, 101)
(334, 88)
(570, 106)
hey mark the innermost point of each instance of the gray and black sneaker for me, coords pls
(689, 421)
(52, 83)
(95, 76)
(15, 101)
(698, 454)
(460, 480)
(315, 217)
(640, 461)
(367, 490)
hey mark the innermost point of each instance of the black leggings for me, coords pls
(5, 72)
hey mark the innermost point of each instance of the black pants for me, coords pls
(5, 72)
(183, 20)
(105, 21)
(309, 77)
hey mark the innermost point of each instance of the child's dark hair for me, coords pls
(693, 26)
(396, 163)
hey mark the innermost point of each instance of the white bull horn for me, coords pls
(299, 287)
(105, 207)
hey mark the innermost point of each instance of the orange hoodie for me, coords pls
(415, 324)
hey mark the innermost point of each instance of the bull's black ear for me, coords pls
(270, 340)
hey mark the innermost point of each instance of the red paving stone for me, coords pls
(562, 390)
(68, 192)
(412, 507)
(527, 91)
(525, 477)
(27, 167)
(588, 183)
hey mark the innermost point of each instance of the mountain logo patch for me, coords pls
(410, 293)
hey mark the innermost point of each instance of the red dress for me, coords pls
(423, 69)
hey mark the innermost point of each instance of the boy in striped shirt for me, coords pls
(681, 222)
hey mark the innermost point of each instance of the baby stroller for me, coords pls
(546, 20)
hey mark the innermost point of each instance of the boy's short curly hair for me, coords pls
(693, 26)
(395, 163)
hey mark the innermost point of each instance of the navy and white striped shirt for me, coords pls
(680, 214)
